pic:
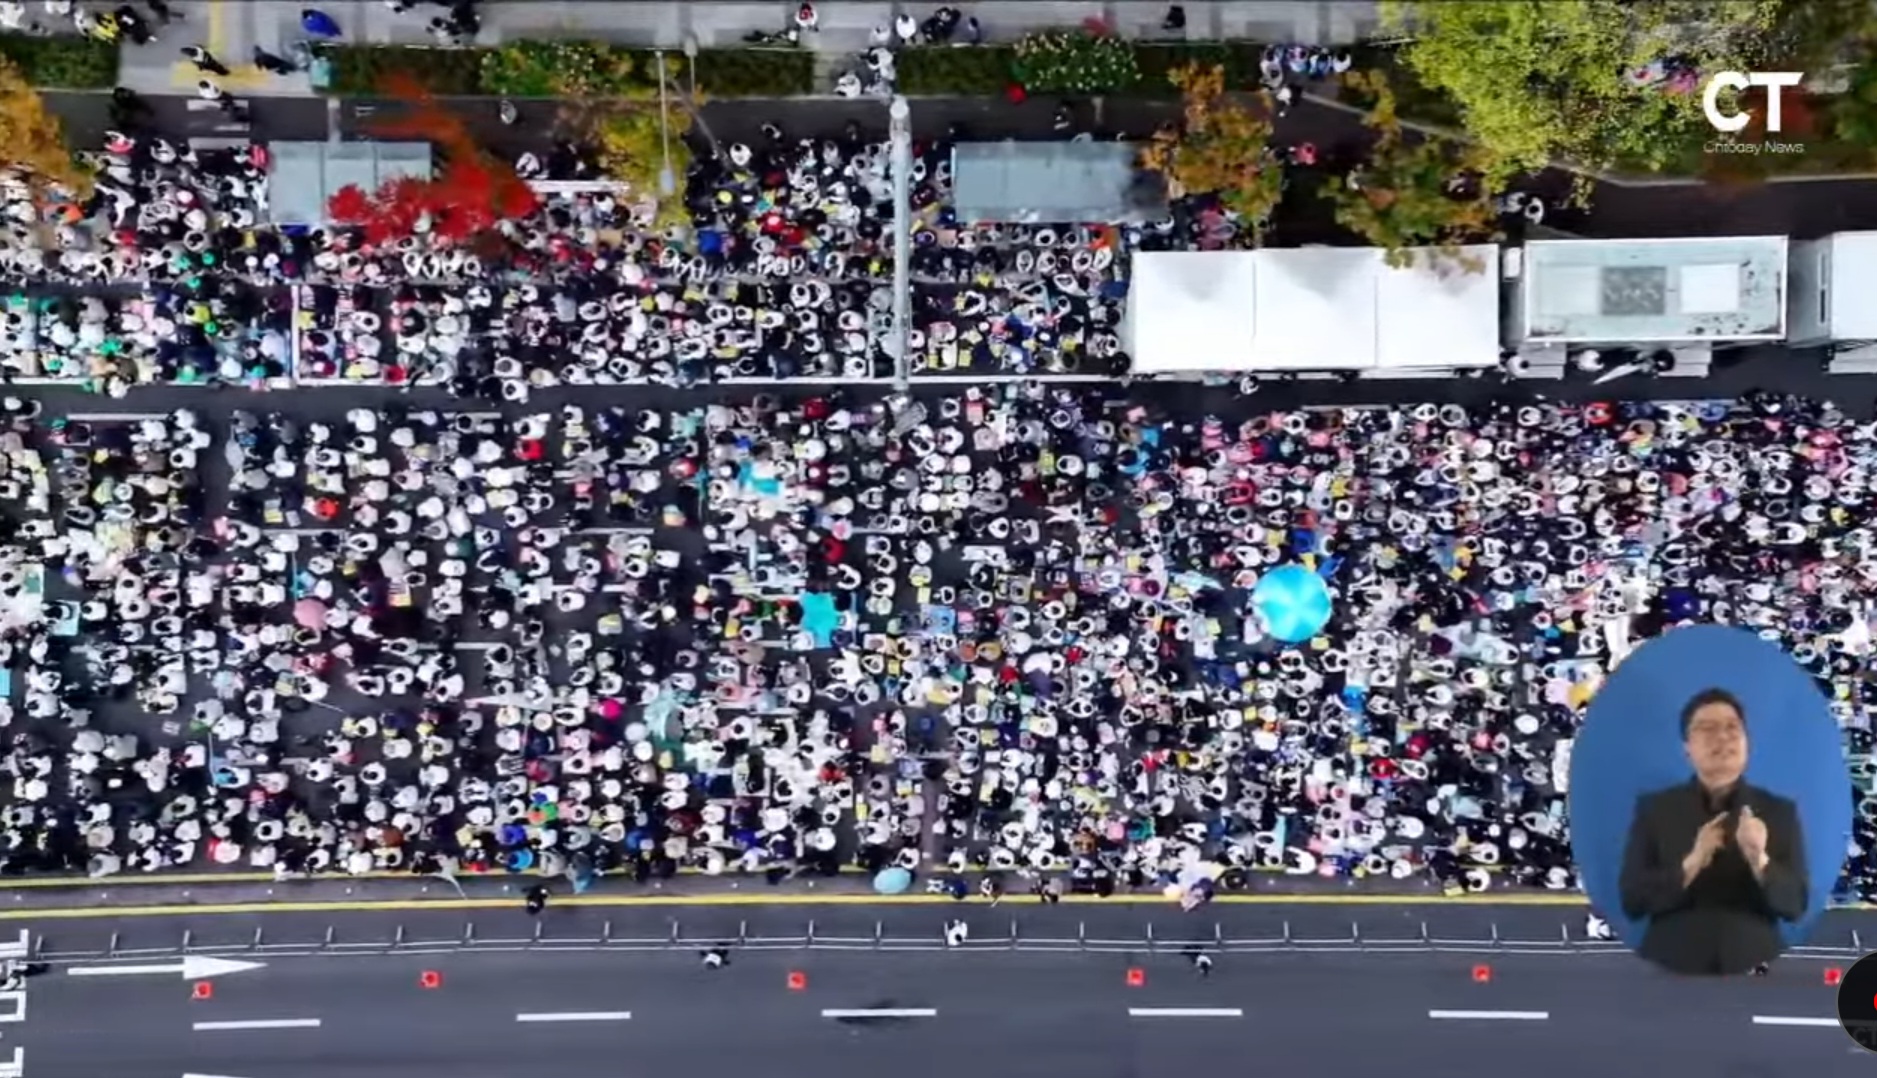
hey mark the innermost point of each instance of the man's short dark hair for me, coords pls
(1704, 698)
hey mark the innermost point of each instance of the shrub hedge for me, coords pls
(755, 72)
(567, 69)
(1057, 62)
(62, 63)
(944, 71)
(362, 69)
(936, 71)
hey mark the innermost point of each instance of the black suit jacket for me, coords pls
(1725, 921)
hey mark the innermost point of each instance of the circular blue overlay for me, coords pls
(1631, 745)
(1294, 602)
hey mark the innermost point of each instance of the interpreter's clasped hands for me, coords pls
(1750, 836)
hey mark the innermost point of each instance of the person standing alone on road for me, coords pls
(536, 900)
(205, 60)
(1202, 962)
(271, 63)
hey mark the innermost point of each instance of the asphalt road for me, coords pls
(1017, 1014)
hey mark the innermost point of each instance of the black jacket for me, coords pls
(1725, 921)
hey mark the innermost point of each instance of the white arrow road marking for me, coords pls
(575, 1016)
(1780, 1020)
(193, 968)
(1503, 1016)
(261, 1023)
(1186, 1012)
(882, 1012)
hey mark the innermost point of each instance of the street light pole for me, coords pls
(901, 115)
(667, 180)
(697, 113)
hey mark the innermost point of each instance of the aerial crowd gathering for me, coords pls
(792, 621)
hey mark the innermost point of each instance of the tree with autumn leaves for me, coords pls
(1218, 146)
(31, 138)
(470, 197)
(1413, 191)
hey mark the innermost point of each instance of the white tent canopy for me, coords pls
(1312, 309)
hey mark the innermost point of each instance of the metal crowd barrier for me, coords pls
(401, 941)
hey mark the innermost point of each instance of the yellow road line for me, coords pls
(217, 36)
(749, 900)
(744, 900)
(184, 76)
(150, 879)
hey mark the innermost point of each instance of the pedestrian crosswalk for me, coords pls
(15, 954)
(228, 117)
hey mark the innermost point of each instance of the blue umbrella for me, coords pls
(1293, 601)
(892, 881)
(318, 23)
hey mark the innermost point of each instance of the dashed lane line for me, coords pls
(575, 1016)
(257, 1023)
(1786, 1020)
(1186, 1012)
(1491, 1016)
(880, 1012)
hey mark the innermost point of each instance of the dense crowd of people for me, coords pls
(1002, 630)
(784, 272)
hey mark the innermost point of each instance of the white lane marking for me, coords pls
(1186, 1012)
(193, 968)
(1781, 1020)
(1506, 1016)
(881, 1012)
(205, 1076)
(575, 1016)
(261, 1023)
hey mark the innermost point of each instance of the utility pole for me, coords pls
(901, 115)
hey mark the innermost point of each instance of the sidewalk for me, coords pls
(230, 29)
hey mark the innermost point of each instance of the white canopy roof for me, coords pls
(1852, 272)
(1311, 309)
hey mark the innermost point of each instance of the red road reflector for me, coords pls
(430, 978)
(1482, 974)
(1833, 975)
(1136, 977)
(797, 980)
(202, 990)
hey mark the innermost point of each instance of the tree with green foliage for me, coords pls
(1403, 197)
(1538, 81)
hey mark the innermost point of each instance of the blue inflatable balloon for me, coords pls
(1293, 601)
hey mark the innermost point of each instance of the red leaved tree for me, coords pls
(471, 194)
